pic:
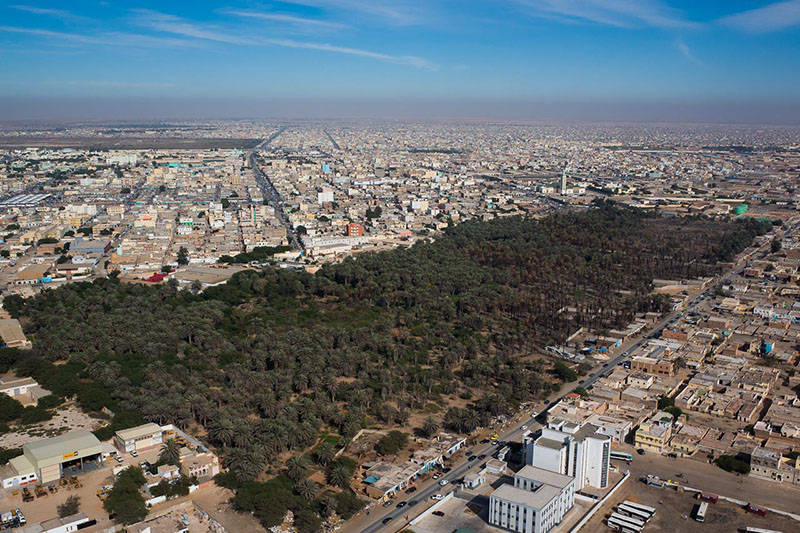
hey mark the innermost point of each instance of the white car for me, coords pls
(437, 497)
(524, 428)
(443, 482)
(134, 453)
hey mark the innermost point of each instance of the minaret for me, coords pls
(564, 181)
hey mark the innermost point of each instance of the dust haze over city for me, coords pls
(382, 266)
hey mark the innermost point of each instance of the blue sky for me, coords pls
(493, 51)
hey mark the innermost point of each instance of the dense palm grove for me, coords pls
(273, 359)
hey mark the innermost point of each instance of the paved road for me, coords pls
(271, 194)
(333, 141)
(458, 470)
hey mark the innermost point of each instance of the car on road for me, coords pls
(387, 503)
(437, 513)
(469, 453)
(472, 458)
(387, 520)
(524, 427)
(485, 441)
(412, 503)
(443, 482)
(446, 470)
(481, 457)
(640, 451)
(400, 505)
(436, 496)
(411, 490)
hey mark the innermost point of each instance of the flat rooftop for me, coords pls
(47, 448)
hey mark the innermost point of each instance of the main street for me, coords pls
(271, 194)
(401, 517)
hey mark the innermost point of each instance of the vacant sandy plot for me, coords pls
(66, 420)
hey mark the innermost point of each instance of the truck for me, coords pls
(653, 481)
(755, 509)
(12, 519)
(708, 497)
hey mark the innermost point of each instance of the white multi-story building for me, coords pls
(576, 450)
(538, 501)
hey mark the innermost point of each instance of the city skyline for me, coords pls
(508, 59)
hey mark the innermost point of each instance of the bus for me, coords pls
(700, 513)
(622, 456)
(633, 512)
(641, 507)
(613, 523)
(625, 523)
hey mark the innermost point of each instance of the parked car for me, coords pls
(443, 482)
(412, 503)
(437, 513)
(482, 456)
(640, 451)
(401, 505)
(387, 503)
(119, 459)
(134, 453)
(524, 427)
(411, 490)
(469, 453)
(436, 476)
(436, 496)
(472, 458)
(387, 520)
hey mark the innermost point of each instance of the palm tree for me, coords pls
(324, 453)
(471, 420)
(329, 505)
(222, 431)
(429, 427)
(170, 452)
(296, 468)
(306, 489)
(339, 475)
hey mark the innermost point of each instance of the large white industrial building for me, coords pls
(45, 460)
(571, 449)
(536, 502)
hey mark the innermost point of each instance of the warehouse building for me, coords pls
(138, 438)
(47, 459)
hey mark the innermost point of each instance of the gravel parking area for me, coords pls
(675, 512)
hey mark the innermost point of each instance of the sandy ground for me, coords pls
(66, 420)
(704, 476)
(213, 500)
(676, 511)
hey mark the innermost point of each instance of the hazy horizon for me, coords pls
(77, 109)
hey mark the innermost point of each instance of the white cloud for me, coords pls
(109, 38)
(391, 11)
(773, 17)
(684, 49)
(619, 13)
(176, 25)
(403, 60)
(58, 13)
(289, 19)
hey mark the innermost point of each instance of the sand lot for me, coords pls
(66, 420)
